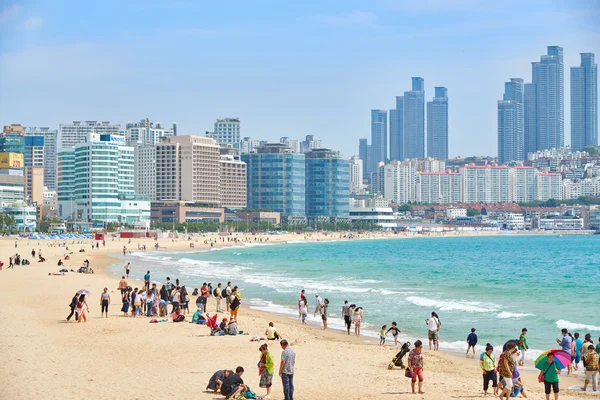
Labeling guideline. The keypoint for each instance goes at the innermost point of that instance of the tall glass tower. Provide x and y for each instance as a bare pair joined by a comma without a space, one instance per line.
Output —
510,122
584,103
378,137
548,81
437,125
414,120
397,130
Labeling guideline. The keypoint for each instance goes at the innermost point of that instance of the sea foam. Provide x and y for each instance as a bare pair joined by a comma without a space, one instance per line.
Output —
561,323
449,305
506,314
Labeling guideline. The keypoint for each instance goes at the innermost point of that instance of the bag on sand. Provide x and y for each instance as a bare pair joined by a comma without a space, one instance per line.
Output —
408,373
249,394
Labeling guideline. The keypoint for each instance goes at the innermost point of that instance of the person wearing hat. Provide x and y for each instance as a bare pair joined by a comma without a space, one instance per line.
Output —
232,328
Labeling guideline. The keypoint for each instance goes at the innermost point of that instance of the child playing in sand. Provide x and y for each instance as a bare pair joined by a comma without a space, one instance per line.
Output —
382,335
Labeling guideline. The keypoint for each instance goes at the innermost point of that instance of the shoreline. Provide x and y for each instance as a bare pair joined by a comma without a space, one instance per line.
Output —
105,351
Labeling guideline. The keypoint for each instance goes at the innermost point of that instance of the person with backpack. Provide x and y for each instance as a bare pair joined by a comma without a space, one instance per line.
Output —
471,342
73,307
218,298
487,363
235,303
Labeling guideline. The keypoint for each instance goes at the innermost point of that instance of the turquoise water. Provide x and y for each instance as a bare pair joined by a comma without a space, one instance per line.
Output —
497,285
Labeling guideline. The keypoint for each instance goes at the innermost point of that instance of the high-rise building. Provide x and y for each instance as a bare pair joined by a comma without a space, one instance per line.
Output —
378,137
309,143
79,131
145,171
438,187
414,120
227,132
146,133
33,156
188,169
363,148
510,123
327,186
486,183
96,182
549,186
232,181
276,181
397,130
548,81
50,151
356,174
248,145
12,142
523,184
293,144
400,181
437,125
529,119
584,103
12,183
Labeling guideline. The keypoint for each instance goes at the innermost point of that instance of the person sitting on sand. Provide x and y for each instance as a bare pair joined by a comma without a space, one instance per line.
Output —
60,263
518,388
233,384
177,315
232,328
272,333
199,318
223,326
216,380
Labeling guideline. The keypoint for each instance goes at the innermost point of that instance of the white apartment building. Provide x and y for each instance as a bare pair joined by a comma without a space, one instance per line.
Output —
188,169
248,145
80,131
293,144
512,221
146,133
356,175
549,186
233,182
584,187
227,132
523,184
145,171
432,165
438,187
399,181
310,143
486,183
453,213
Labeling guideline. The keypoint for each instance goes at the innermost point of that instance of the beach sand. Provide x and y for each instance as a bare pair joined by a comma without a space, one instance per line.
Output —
43,356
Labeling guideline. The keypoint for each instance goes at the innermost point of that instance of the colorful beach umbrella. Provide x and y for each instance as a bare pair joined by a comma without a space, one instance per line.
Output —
561,358
84,291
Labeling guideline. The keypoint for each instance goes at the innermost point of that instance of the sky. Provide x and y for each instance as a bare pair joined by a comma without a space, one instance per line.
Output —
284,68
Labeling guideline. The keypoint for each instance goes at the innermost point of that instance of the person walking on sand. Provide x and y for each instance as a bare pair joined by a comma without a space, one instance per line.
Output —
487,363
302,304
358,318
73,307
81,311
104,303
235,304
266,368
127,269
591,368
507,368
286,370
471,342
228,296
523,346
123,285
395,331
126,300
433,327
382,335
549,373
565,344
415,365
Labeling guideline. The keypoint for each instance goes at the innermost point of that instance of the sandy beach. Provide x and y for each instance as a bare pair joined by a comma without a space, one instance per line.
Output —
43,356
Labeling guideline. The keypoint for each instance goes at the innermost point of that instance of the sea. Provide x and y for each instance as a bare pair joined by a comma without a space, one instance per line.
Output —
495,284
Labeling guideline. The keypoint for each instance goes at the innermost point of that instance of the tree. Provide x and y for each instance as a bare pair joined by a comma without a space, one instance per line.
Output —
471,212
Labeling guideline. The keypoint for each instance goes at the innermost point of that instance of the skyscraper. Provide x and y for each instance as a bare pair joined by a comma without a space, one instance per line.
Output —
437,125
584,103
50,143
548,80
327,186
362,154
510,122
378,137
397,130
356,174
414,120
529,119
33,156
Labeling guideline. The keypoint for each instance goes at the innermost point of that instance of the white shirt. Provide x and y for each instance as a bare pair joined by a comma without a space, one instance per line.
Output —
433,323
319,301
176,297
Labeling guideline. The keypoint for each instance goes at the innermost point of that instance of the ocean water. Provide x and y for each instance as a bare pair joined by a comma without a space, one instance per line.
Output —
496,284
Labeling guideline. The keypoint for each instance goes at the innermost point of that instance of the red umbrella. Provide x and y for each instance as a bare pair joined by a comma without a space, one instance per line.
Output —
212,322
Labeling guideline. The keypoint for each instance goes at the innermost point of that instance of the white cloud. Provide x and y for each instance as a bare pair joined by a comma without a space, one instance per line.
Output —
32,23
9,13
353,18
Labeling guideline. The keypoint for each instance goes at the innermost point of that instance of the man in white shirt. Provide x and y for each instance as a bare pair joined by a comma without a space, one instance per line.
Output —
320,304
433,327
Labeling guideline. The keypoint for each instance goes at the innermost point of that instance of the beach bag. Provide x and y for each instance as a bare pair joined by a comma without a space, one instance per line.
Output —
408,373
249,394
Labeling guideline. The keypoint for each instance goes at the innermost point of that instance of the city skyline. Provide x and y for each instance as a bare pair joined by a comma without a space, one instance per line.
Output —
330,59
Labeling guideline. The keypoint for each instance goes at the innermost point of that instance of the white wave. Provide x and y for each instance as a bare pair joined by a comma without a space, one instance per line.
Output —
506,314
561,323
449,305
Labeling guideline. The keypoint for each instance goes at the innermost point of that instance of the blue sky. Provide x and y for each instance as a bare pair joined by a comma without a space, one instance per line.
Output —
284,68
